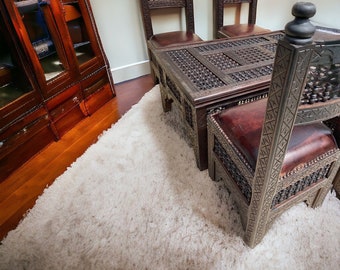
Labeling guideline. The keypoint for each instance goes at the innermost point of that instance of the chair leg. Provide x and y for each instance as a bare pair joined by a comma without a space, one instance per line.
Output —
154,77
211,170
166,101
320,196
336,184
249,238
152,71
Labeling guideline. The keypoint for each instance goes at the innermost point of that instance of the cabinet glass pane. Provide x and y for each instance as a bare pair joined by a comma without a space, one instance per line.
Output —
78,33
13,80
40,36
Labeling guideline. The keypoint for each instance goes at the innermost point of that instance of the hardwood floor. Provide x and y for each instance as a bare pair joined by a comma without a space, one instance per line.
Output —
20,190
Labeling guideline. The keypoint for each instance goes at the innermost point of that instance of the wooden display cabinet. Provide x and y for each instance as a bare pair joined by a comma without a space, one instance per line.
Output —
53,73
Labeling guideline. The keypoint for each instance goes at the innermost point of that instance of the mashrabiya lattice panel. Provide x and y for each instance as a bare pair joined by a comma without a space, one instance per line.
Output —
211,67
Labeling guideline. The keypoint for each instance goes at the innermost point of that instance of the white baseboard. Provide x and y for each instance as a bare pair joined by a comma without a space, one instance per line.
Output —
129,72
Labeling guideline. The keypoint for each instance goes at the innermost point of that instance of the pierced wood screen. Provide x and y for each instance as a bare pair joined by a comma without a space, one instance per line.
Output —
217,66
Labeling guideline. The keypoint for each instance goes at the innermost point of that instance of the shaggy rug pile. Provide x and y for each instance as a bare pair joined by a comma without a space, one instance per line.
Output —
136,200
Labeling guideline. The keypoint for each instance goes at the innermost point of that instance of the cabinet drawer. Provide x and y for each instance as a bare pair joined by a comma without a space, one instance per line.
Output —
69,119
67,106
22,134
98,99
67,94
94,82
68,114
31,143
24,122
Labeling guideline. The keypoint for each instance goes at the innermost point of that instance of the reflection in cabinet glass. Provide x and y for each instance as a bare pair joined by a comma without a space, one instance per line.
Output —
33,16
13,80
78,33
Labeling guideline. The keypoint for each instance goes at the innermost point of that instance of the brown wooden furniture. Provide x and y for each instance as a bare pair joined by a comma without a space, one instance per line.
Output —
335,125
238,29
162,40
330,35
326,34
276,152
53,73
196,79
336,184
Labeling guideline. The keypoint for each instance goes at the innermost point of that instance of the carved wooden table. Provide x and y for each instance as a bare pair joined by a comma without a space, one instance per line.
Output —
201,77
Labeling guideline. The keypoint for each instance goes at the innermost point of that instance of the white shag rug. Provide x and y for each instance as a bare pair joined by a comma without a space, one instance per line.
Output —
135,200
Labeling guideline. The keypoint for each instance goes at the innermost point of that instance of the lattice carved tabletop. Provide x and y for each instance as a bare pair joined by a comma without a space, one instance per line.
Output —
213,69
202,77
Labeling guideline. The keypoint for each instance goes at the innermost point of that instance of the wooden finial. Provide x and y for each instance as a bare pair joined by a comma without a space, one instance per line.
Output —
300,31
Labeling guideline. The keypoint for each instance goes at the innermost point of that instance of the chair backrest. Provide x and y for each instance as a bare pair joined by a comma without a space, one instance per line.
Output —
321,94
219,6
304,88
266,160
148,5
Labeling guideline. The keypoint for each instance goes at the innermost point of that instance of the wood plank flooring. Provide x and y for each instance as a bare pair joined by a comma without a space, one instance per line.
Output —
20,190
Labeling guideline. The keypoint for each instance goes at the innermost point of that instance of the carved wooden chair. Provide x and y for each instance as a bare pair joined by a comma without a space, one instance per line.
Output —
336,184
335,125
161,40
238,29
276,152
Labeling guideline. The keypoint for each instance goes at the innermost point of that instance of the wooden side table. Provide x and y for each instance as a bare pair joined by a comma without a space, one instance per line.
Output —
201,77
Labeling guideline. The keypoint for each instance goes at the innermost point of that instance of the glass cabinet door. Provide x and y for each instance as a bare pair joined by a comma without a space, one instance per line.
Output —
14,82
60,38
82,31
78,32
38,22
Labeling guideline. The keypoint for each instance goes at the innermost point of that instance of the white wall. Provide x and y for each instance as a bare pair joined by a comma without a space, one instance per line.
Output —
120,25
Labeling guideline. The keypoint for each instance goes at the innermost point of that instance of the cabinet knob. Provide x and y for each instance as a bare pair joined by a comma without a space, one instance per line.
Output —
75,100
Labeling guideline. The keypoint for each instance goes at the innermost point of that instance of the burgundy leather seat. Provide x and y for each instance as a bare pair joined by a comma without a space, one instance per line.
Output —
243,125
237,29
174,38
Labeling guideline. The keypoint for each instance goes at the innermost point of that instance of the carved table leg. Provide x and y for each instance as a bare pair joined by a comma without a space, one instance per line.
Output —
166,100
200,138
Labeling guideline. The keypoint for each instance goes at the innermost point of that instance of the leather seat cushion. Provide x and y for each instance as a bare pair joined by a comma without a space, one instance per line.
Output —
174,38
243,125
238,30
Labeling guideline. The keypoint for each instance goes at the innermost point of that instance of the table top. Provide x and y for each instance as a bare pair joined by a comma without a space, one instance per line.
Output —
212,70
216,69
